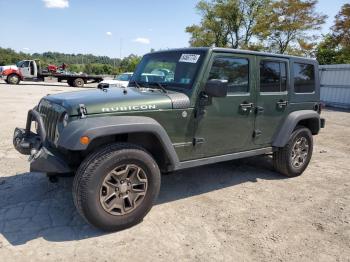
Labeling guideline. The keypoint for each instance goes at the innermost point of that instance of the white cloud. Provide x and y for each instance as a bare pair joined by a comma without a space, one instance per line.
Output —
26,48
109,33
142,40
56,3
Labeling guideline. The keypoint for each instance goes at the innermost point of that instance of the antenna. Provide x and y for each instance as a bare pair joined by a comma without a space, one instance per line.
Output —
121,48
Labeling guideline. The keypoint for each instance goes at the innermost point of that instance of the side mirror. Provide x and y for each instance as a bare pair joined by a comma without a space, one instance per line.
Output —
216,88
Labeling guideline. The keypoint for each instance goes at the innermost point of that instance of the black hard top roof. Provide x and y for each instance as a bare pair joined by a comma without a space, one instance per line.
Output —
235,51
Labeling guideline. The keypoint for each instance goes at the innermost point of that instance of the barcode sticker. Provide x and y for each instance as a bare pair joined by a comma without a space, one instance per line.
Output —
189,58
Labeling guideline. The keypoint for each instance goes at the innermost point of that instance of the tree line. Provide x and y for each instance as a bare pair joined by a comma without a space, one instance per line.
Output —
277,26
86,63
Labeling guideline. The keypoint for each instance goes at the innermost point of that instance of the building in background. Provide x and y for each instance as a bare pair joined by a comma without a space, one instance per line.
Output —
335,85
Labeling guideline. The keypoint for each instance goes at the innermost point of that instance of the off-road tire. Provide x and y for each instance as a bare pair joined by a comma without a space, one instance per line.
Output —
13,79
79,82
91,174
282,158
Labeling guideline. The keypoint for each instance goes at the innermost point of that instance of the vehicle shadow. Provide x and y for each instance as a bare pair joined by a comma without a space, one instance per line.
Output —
31,207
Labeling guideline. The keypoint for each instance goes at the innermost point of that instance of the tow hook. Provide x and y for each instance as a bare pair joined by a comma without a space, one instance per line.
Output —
34,154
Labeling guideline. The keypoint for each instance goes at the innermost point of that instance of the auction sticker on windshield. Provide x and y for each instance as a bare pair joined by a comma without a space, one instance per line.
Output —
189,58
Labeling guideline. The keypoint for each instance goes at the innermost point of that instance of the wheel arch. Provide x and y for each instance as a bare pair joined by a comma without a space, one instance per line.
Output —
141,131
308,118
11,71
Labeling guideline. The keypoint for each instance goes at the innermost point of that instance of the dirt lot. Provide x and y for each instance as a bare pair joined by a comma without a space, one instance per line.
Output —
235,211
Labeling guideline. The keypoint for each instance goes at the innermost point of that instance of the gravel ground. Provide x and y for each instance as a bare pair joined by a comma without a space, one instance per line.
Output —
235,211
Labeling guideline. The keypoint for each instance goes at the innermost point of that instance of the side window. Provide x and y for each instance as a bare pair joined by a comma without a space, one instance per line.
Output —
234,70
273,76
25,64
304,78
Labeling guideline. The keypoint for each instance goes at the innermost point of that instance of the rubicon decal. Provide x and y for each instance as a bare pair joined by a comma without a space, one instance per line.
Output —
129,108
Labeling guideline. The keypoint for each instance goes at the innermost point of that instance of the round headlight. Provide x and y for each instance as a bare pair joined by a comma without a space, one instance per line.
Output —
65,119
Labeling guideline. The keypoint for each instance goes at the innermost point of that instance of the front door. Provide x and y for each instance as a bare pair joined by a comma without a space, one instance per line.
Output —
272,97
227,124
25,69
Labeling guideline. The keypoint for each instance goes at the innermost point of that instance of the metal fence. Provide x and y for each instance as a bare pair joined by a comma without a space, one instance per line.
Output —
335,85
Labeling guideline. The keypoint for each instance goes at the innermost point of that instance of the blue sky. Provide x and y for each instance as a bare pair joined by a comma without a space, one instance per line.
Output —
101,27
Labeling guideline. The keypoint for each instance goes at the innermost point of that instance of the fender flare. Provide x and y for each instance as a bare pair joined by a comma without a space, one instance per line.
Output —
282,136
11,71
97,127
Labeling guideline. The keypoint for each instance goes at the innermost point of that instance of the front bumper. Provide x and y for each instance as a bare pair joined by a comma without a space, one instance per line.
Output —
42,157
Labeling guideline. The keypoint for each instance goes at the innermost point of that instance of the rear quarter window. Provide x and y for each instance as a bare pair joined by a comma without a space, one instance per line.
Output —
304,78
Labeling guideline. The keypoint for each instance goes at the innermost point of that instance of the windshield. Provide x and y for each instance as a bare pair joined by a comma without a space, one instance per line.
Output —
172,68
20,63
123,77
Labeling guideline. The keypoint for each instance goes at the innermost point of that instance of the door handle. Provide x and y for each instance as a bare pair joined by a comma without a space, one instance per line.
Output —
245,106
282,103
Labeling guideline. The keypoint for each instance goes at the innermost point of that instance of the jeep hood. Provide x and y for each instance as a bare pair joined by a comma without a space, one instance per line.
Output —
113,100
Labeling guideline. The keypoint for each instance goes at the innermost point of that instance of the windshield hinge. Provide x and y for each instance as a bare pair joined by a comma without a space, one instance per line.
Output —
82,111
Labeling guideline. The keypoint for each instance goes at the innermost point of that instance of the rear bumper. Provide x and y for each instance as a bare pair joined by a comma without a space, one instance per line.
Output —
42,157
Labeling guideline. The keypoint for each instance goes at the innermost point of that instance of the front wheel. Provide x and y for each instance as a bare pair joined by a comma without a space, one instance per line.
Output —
293,158
13,79
116,186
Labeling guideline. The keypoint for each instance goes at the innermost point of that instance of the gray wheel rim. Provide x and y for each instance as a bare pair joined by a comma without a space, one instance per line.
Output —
300,152
13,79
123,189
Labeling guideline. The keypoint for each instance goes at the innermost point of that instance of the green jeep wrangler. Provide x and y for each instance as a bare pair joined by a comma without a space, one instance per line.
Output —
183,108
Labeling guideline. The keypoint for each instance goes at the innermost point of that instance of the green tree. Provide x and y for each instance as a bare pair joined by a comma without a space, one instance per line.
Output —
341,27
288,23
10,57
227,23
335,47
129,63
87,63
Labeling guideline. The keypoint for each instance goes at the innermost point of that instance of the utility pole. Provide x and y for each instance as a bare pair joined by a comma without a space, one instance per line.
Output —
121,48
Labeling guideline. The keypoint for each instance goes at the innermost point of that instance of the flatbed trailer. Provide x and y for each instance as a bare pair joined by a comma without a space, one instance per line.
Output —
30,70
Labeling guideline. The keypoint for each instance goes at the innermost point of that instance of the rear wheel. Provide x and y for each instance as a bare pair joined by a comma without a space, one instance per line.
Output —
293,158
13,79
115,187
79,82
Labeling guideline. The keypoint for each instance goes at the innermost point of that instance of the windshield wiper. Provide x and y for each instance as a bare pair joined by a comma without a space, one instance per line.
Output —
159,85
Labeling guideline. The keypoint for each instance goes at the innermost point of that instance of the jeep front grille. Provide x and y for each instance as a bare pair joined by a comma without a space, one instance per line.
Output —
50,116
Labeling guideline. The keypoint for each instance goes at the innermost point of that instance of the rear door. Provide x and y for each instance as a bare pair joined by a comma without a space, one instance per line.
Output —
272,97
